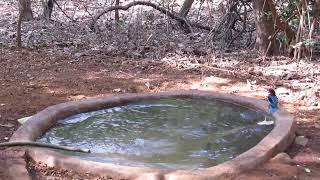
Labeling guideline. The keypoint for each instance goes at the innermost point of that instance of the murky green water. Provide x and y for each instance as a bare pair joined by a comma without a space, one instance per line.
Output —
166,133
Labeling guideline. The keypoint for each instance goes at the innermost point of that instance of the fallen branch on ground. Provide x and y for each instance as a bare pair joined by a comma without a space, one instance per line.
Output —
187,25
36,144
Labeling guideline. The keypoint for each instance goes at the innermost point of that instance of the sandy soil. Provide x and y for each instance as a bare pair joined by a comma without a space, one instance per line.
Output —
31,80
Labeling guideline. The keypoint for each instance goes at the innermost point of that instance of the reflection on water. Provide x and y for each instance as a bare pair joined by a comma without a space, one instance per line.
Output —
166,133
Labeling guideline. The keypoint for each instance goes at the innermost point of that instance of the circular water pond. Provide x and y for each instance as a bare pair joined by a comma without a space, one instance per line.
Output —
174,133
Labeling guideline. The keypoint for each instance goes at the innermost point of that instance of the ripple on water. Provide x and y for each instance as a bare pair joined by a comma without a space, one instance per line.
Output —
166,133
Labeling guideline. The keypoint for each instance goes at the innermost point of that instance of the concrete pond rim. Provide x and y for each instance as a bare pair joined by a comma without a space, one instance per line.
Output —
275,142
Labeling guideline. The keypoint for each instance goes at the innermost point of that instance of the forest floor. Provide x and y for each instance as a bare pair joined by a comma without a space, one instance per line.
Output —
32,80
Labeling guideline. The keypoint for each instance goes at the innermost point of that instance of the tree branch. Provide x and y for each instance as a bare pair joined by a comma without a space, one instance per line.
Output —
187,25
282,25
63,11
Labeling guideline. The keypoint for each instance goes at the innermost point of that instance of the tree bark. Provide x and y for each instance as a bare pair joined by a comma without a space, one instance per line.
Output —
25,10
281,24
19,42
315,18
47,8
116,12
301,49
25,14
187,4
264,27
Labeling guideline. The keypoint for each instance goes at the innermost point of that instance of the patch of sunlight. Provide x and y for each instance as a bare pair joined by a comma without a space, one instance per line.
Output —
303,120
215,83
213,79
278,69
58,90
92,75
142,80
208,83
309,108
229,86
76,97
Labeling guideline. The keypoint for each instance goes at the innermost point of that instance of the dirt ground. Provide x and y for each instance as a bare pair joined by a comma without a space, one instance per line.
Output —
32,80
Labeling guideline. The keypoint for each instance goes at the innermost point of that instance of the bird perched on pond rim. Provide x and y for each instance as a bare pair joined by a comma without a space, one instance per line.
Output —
273,101
273,107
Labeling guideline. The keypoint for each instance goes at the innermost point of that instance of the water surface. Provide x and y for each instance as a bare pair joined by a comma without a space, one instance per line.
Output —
165,133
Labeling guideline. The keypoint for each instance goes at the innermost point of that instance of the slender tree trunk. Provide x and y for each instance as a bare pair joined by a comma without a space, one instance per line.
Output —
19,43
300,50
25,14
281,24
25,10
315,18
187,4
47,8
116,12
264,27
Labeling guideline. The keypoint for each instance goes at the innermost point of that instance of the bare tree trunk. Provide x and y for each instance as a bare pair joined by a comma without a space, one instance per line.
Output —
265,27
187,4
298,52
116,12
281,24
25,13
315,19
47,8
25,10
19,43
